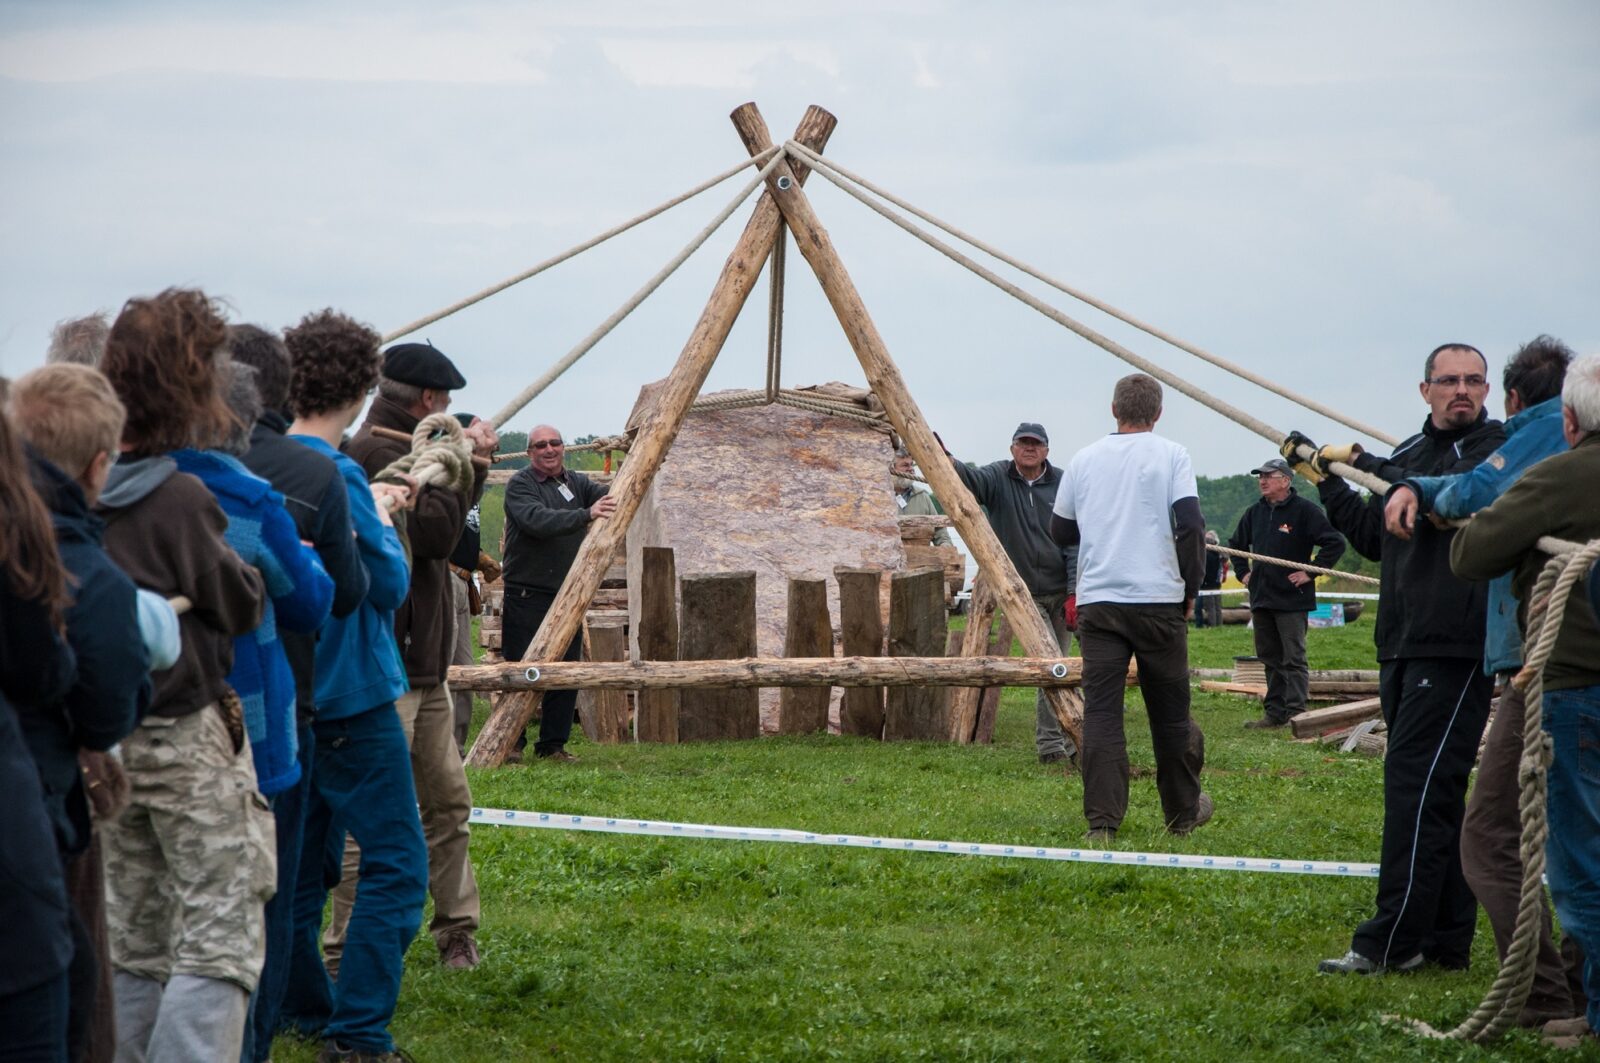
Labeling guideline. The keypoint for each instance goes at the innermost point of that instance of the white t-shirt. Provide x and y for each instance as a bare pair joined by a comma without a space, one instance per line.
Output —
1120,490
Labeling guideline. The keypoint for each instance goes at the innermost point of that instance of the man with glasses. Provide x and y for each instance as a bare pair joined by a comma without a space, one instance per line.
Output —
1435,695
1018,495
1283,525
548,510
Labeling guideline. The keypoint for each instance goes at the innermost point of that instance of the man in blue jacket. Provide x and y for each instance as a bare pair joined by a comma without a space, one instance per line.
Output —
1491,833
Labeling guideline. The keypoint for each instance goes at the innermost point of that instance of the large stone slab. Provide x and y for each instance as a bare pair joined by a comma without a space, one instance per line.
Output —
788,493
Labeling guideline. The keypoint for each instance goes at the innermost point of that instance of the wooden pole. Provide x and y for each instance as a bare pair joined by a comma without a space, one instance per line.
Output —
656,718
811,237
861,629
752,672
608,642
739,275
809,633
989,707
718,624
917,628
964,701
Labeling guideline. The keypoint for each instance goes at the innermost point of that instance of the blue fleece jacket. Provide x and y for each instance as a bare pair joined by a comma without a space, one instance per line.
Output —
299,595
358,663
1531,436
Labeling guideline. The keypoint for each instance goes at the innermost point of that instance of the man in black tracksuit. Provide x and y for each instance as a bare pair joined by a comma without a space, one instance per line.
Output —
548,510
1282,524
1435,694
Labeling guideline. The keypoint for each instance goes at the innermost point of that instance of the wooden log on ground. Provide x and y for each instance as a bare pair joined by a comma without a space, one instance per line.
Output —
989,706
964,701
656,719
739,276
883,376
718,623
1317,688
1313,722
749,673
861,628
809,633
917,628
608,643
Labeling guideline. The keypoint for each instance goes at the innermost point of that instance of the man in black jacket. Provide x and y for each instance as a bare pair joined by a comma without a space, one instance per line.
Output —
1284,525
1435,696
548,510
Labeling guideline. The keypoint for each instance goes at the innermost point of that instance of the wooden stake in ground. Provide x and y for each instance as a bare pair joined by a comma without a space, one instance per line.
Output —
811,237
809,633
989,707
718,624
964,701
739,276
656,715
861,632
608,641
917,628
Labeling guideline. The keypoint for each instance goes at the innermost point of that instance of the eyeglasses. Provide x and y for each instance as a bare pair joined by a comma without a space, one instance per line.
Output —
544,444
1473,381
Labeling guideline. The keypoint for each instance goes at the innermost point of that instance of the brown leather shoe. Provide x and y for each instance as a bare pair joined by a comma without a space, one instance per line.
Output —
560,756
458,951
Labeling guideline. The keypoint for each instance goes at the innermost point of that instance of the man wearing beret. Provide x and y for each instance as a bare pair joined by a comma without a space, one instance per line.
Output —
416,381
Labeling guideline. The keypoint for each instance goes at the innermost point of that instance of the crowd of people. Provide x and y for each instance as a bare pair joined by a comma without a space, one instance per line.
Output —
227,614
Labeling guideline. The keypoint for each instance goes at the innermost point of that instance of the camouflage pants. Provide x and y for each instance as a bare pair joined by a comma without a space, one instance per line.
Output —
191,862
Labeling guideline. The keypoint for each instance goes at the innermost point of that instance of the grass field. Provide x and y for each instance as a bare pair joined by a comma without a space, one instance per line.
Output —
599,947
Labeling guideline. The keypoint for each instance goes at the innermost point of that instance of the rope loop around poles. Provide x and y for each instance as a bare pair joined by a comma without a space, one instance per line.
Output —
594,241
1506,996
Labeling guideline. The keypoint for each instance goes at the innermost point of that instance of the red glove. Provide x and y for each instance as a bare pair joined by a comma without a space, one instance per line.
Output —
1071,612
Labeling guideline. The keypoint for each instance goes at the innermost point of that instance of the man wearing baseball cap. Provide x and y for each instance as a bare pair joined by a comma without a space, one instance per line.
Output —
1284,525
1018,495
417,380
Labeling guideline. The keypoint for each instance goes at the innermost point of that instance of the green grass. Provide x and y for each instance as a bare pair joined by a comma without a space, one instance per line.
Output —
599,947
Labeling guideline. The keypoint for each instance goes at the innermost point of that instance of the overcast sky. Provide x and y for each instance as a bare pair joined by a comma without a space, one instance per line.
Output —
1320,192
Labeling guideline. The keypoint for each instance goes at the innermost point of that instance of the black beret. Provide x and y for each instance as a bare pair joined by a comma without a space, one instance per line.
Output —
423,365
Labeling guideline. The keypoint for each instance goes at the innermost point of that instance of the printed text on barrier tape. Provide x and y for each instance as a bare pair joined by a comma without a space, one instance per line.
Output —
502,817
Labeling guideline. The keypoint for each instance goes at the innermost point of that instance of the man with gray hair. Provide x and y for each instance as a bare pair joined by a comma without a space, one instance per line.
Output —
1557,497
81,340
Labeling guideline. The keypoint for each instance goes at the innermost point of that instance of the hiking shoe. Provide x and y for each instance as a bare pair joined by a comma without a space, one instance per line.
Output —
514,757
1578,1025
334,1052
1353,962
458,951
1266,723
560,756
1054,758
1101,836
1202,815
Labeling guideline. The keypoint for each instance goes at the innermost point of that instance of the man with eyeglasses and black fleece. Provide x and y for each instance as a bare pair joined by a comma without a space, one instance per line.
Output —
548,510
1435,695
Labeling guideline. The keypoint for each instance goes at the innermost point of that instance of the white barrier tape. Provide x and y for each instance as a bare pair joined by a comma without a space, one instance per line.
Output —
1336,595
502,817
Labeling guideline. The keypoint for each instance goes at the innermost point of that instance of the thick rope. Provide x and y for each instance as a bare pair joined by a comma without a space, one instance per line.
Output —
532,391
1356,576
1504,1001
440,454
1082,296
595,241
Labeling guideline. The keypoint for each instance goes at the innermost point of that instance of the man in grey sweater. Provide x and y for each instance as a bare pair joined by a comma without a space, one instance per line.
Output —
1018,496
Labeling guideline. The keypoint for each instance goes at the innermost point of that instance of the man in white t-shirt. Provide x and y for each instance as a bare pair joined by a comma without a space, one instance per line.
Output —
1130,504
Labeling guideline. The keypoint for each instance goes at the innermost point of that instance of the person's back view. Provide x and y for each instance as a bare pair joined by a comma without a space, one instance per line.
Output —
1119,501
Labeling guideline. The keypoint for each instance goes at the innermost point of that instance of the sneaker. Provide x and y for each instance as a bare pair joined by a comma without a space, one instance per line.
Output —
459,951
1353,962
1101,835
334,1052
1576,1026
1202,815
1266,723
1575,1033
560,756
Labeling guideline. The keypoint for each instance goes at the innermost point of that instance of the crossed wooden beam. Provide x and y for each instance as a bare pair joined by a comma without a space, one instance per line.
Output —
783,204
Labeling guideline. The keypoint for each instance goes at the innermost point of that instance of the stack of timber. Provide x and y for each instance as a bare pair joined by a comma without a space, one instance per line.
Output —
1326,684
916,537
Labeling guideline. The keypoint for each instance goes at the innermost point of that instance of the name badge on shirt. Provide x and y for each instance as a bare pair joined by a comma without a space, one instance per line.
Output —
566,492
900,500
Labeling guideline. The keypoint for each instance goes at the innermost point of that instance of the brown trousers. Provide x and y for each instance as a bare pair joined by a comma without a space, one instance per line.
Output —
1158,637
1491,860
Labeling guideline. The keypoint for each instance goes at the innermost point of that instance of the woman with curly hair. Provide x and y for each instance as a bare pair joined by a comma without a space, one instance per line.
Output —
361,768
36,667
190,863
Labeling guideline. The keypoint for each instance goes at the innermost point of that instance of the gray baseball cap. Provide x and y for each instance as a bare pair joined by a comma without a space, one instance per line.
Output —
1032,430
1272,465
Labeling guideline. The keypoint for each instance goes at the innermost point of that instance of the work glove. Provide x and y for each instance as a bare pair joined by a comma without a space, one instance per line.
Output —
1344,453
1070,612
1291,453
489,567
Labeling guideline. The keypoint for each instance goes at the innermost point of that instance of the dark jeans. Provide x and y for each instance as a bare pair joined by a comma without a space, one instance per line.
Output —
1491,856
1572,719
33,1023
289,813
361,784
1281,645
1435,708
1157,636
522,611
